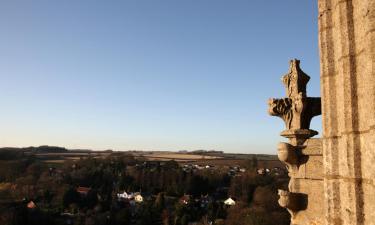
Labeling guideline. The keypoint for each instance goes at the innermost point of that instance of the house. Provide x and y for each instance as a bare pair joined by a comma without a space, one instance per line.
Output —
199,167
138,198
123,195
132,197
31,205
185,199
229,202
83,190
261,171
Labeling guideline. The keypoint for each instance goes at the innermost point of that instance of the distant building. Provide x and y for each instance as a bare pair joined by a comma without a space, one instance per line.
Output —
261,171
131,197
229,202
123,195
31,205
138,198
185,199
83,190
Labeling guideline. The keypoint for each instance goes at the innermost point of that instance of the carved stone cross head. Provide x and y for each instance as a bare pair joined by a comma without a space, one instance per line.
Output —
297,109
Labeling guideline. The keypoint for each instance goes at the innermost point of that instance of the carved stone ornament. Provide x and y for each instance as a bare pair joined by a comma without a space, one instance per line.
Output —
293,202
296,110
288,154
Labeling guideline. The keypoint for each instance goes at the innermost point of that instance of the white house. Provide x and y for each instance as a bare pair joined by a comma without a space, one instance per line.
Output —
229,202
138,198
261,171
123,195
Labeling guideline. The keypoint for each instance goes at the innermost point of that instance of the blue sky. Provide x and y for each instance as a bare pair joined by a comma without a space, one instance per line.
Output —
151,74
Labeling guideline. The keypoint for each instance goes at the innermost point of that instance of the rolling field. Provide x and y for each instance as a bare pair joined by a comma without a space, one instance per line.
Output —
177,156
181,158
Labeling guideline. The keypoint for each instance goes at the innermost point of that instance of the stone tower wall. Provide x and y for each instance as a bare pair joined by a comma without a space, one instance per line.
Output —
347,55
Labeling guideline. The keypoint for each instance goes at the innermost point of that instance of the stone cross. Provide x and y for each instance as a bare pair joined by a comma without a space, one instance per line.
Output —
296,109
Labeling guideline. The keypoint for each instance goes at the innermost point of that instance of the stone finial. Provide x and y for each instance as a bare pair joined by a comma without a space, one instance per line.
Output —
295,80
297,110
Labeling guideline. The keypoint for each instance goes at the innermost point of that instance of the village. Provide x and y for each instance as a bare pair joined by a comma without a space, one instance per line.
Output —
119,188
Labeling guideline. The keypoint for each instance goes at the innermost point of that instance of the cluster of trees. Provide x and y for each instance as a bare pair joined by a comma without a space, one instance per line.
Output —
25,178
258,201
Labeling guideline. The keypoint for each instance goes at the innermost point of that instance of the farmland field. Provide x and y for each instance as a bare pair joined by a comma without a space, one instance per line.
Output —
203,158
178,156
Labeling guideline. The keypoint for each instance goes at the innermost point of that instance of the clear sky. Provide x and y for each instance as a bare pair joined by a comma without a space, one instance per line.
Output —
151,74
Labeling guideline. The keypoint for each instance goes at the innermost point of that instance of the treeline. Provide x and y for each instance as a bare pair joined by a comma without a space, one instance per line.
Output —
9,153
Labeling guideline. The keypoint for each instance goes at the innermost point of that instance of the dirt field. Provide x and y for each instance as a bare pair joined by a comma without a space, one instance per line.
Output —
182,158
178,156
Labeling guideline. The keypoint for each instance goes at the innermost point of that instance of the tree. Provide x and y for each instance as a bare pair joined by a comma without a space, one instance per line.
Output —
252,163
160,201
197,185
266,198
185,219
70,196
123,217
172,164
91,199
